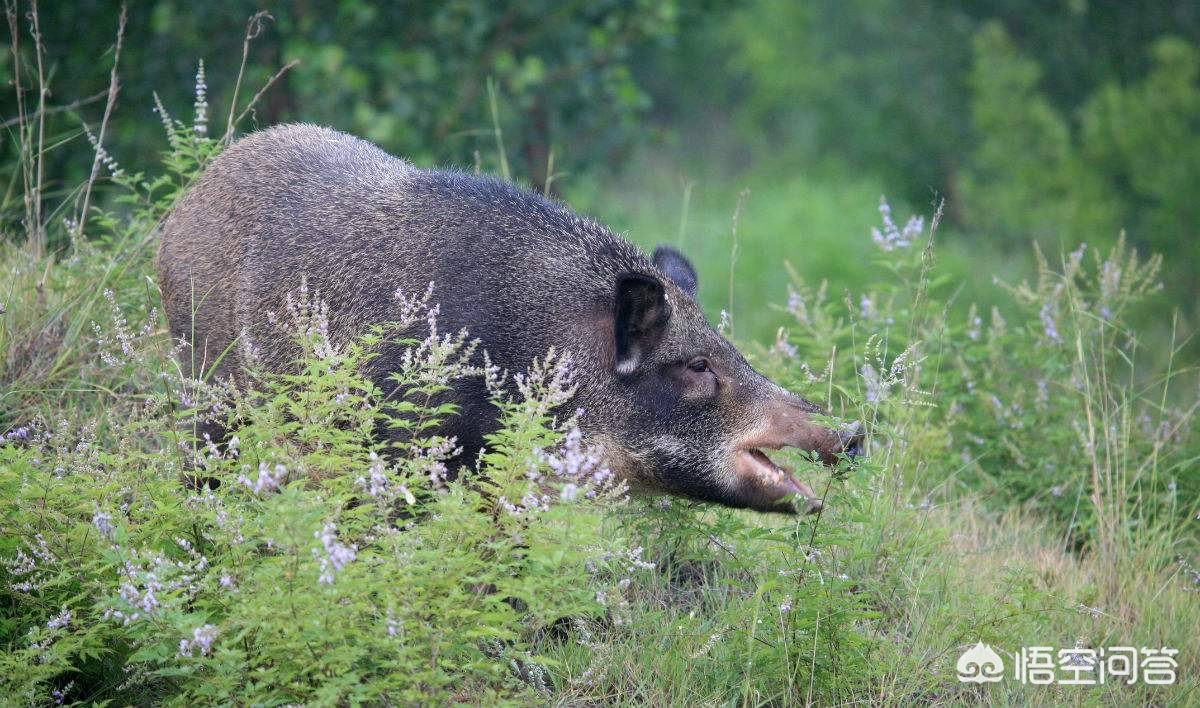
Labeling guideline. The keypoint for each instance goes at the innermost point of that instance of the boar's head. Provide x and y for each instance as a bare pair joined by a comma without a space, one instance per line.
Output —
683,411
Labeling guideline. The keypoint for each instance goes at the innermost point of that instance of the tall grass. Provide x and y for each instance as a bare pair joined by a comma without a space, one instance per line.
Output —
1027,484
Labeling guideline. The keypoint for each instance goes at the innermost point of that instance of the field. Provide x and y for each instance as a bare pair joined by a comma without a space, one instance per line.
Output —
1031,482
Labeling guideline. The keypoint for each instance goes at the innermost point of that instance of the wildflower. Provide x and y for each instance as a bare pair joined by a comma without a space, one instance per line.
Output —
431,460
104,524
493,377
708,645
149,580
337,555
411,309
1110,280
309,318
549,382
26,564
782,346
579,465
532,502
726,322
123,337
866,309
797,306
200,124
105,158
202,641
61,620
142,598
438,359
393,625
786,606
1093,611
20,434
975,329
892,237
1048,324
1082,657
268,479
1076,257
999,405
60,694
376,482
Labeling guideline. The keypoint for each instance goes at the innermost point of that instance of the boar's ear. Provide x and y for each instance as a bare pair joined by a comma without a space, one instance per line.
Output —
677,267
640,318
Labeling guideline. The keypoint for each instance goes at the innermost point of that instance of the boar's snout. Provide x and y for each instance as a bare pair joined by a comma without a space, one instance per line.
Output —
787,421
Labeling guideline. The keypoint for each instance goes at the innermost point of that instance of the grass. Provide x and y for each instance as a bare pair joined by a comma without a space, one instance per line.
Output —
1031,481
818,223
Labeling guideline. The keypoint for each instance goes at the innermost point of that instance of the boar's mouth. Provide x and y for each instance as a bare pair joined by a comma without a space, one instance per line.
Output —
766,486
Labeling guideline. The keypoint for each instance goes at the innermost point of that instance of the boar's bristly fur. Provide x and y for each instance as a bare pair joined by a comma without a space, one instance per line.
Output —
673,404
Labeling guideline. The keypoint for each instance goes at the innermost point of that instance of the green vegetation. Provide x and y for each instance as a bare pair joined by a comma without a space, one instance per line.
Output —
1032,476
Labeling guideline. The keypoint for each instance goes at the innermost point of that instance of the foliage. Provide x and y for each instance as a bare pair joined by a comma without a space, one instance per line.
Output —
308,560
279,580
301,558
1026,178
1044,410
410,76
1061,122
1143,134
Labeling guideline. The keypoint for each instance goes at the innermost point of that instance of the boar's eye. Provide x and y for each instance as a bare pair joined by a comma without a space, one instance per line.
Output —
699,365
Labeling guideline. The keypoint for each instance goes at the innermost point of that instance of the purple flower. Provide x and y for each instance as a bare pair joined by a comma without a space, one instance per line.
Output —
1048,323
268,479
893,237
376,482
104,524
337,555
62,619
20,434
202,641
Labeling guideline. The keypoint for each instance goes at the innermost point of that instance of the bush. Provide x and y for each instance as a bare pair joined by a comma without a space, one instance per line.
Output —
303,560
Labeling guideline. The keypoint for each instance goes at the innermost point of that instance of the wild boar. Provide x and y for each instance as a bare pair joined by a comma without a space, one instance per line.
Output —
673,405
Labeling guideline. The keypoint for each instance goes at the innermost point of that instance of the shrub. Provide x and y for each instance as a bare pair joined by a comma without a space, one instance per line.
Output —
306,559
